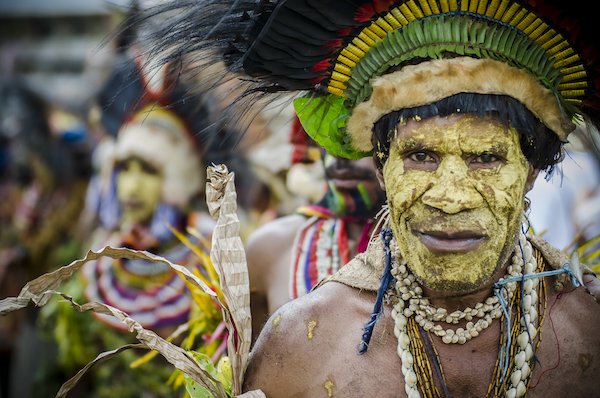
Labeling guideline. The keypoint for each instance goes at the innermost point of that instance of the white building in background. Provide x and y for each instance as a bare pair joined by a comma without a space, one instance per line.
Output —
55,46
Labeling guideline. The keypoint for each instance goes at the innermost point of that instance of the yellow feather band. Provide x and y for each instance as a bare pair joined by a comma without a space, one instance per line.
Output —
507,11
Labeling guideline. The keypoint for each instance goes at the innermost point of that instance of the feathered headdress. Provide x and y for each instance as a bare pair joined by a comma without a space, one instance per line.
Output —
351,62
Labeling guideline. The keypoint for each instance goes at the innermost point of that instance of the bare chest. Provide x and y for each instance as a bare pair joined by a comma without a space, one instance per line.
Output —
568,357
467,369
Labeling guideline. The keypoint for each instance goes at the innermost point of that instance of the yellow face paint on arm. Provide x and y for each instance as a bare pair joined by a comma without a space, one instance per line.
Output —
455,187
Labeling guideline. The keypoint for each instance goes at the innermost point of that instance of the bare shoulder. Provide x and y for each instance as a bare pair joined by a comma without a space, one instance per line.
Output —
570,345
309,347
275,234
277,229
269,246
268,255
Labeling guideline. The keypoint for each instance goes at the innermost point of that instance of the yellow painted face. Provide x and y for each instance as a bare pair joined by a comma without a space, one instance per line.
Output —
455,188
138,190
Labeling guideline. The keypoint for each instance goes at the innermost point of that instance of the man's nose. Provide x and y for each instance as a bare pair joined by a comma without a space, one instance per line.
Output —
452,192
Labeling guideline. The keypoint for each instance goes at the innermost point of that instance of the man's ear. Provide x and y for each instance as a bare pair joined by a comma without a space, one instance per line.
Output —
378,171
533,173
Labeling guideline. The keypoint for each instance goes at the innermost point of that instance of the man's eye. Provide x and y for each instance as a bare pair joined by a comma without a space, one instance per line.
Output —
485,158
421,157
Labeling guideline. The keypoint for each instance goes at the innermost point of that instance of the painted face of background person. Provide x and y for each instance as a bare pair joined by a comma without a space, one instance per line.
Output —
455,187
353,186
138,190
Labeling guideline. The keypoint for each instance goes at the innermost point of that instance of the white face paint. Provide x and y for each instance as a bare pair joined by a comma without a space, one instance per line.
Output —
455,187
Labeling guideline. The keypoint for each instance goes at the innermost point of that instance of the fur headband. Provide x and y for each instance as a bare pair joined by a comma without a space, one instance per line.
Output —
434,80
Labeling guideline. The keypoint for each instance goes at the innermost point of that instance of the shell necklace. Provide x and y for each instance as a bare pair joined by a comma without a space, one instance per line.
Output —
413,311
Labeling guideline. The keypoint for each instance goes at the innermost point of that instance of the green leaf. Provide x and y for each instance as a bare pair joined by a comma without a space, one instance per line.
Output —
324,119
529,54
194,389
376,55
465,31
523,48
369,65
418,33
548,67
429,31
489,37
399,36
447,25
393,38
440,26
473,32
535,60
496,41
431,52
410,36
553,76
482,33
422,52
509,42
460,49
387,48
502,43
358,75
456,30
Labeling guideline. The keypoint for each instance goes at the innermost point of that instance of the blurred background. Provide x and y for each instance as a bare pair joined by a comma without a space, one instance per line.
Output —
77,165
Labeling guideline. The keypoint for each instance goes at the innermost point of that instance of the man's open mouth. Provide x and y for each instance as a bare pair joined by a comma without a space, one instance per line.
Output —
450,241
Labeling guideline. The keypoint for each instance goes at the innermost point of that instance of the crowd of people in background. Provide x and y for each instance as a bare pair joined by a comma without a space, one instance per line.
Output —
132,170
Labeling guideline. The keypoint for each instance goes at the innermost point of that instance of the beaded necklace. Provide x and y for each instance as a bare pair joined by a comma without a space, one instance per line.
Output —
414,318
320,248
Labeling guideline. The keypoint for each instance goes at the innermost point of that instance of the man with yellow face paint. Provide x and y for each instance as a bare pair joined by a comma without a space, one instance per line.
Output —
455,191
461,104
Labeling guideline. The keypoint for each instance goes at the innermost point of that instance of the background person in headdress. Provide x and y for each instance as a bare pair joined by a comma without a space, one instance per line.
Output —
289,256
151,178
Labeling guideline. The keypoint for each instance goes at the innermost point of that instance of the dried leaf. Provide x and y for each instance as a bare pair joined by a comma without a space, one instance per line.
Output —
66,387
229,259
40,289
175,355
